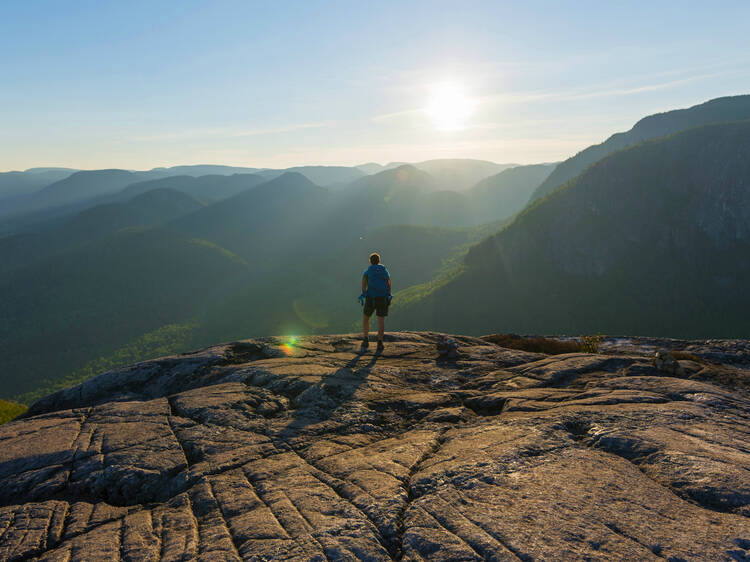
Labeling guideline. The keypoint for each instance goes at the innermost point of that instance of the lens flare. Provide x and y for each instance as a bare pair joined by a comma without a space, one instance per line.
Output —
287,347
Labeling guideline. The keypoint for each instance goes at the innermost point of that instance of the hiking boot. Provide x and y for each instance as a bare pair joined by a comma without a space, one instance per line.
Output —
380,345
365,345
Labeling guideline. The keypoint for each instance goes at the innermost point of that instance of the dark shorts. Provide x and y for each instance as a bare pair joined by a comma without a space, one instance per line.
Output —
380,304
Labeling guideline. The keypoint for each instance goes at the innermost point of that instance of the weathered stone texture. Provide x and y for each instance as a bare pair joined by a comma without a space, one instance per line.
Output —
259,450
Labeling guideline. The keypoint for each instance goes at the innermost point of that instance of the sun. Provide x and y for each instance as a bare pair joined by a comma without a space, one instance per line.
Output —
449,107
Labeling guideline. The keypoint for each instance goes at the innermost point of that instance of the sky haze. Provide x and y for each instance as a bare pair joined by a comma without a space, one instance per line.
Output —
142,84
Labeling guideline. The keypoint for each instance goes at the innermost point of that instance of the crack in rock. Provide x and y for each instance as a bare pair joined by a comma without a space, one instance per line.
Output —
255,450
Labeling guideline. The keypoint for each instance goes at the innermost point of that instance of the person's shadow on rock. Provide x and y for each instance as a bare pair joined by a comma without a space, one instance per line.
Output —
318,403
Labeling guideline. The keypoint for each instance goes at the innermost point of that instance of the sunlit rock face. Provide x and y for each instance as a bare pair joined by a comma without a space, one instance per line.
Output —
268,449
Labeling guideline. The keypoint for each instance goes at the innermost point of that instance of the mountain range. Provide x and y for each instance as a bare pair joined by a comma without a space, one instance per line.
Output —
236,246
645,233
653,239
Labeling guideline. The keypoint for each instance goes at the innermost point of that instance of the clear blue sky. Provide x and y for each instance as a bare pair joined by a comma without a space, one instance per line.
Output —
137,84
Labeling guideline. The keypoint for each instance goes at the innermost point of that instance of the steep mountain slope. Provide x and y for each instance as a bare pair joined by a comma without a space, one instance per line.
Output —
505,194
719,110
151,208
59,313
650,240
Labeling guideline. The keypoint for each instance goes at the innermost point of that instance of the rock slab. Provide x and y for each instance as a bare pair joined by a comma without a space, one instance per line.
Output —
266,450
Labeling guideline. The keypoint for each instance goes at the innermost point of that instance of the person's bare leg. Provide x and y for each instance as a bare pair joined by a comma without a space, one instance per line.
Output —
381,327
365,326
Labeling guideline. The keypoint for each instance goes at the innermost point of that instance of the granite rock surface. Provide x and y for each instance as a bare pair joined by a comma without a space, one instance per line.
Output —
266,449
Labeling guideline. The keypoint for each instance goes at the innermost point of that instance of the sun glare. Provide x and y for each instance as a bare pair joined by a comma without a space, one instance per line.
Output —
449,107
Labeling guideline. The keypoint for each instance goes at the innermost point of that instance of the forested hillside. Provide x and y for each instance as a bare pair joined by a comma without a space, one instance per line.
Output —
654,239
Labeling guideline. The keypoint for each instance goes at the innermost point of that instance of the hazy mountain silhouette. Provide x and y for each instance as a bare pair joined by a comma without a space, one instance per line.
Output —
269,223
152,208
208,188
449,174
409,195
205,170
395,180
395,196
654,239
72,192
505,194
734,108
75,188
320,175
19,183
371,168
459,174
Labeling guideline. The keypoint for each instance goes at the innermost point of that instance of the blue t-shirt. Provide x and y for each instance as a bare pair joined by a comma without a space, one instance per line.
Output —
377,281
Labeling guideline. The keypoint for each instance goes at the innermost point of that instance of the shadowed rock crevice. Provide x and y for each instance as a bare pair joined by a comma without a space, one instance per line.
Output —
263,449
172,414
653,549
412,494
243,352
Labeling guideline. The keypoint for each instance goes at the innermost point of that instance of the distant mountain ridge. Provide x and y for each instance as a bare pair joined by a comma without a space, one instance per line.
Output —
734,108
449,174
208,188
15,184
37,195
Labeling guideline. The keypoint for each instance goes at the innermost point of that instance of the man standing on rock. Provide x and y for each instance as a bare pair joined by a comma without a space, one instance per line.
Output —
376,296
